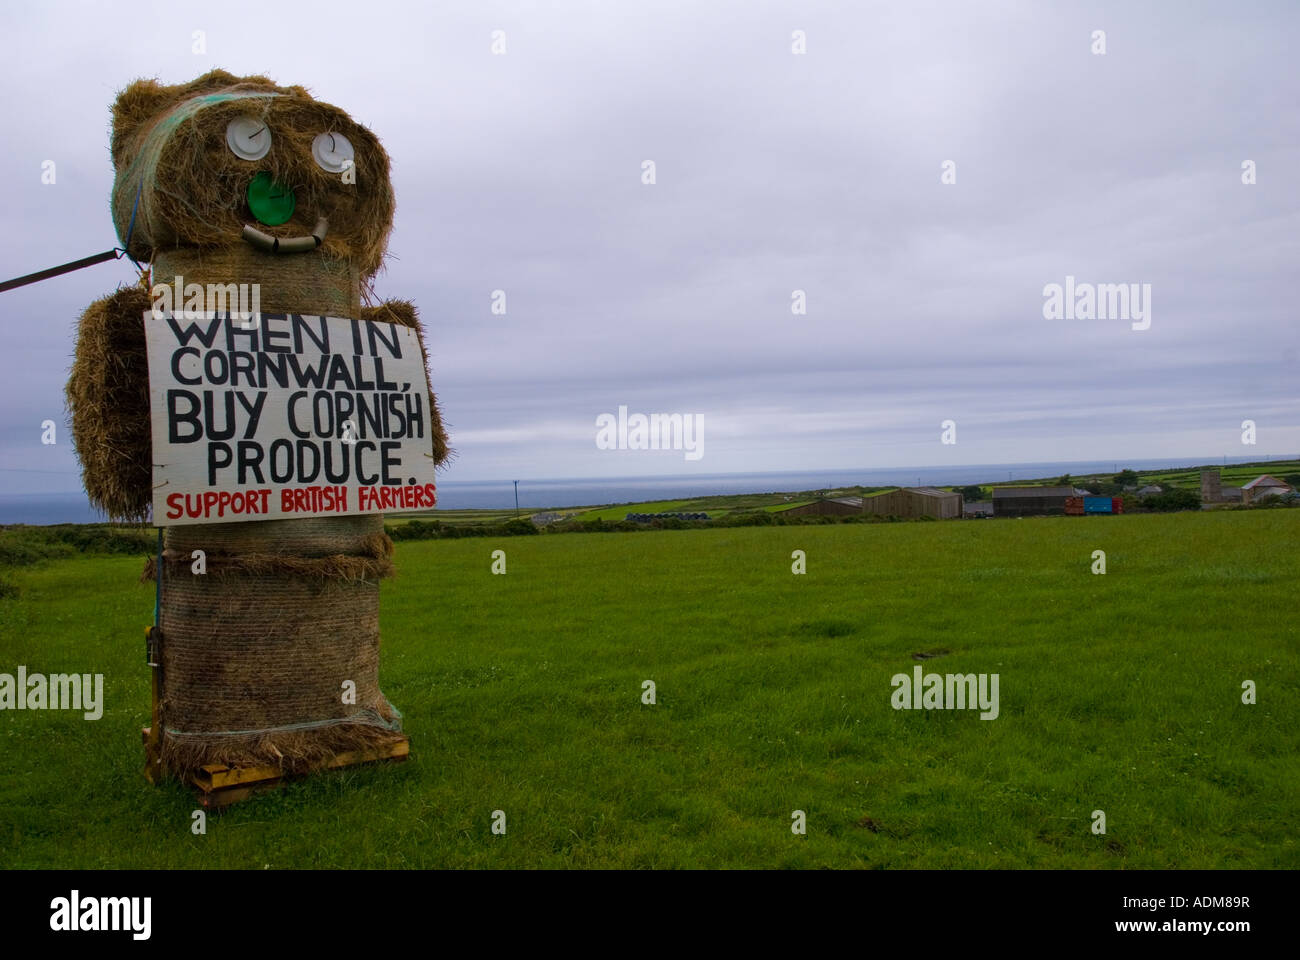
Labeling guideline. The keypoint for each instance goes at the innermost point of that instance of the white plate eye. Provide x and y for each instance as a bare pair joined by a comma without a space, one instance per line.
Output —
248,138
332,152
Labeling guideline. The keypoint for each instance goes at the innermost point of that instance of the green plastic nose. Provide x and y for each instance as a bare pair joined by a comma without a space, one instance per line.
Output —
272,203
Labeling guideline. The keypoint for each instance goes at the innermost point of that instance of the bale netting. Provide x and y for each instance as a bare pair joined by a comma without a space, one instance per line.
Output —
257,652
108,403
317,284
359,536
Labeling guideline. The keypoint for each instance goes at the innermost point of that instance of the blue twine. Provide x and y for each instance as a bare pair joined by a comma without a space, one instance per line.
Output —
130,229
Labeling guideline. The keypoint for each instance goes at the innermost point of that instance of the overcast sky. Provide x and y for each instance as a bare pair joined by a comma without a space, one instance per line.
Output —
775,172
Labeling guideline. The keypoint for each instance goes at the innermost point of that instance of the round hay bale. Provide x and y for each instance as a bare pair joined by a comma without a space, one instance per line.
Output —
255,656
170,151
317,285
107,397
360,536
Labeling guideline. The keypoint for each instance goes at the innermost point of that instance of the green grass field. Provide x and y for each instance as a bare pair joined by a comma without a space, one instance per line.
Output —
522,693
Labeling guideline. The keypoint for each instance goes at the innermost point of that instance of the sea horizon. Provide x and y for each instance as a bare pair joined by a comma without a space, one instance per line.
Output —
567,492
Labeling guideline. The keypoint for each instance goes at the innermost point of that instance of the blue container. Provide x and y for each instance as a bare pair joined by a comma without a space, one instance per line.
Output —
1096,505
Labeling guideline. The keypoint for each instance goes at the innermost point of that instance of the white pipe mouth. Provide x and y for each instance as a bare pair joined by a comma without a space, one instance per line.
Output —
269,244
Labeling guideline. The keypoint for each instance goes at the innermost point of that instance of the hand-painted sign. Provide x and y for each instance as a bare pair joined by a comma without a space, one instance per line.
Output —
286,416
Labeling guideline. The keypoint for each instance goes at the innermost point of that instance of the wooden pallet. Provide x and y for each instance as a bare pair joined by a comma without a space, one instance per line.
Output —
217,785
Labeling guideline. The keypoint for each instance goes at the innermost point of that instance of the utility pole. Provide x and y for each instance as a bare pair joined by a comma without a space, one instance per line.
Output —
516,498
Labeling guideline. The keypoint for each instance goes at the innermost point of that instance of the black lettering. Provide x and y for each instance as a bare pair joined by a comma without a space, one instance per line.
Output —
339,371
343,404
369,416
184,337
236,329
176,416
279,447
307,375
361,477
323,400
305,447
379,376
361,382
301,326
293,417
176,365
330,475
215,464
250,458
270,335
376,333
414,417
396,419
244,363
217,371
388,462
228,431
254,411
274,365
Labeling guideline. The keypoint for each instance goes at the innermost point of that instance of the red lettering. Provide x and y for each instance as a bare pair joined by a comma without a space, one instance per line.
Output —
174,509
431,494
286,501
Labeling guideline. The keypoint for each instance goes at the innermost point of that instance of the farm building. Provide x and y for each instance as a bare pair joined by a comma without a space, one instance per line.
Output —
1261,487
841,506
915,502
1083,506
977,508
1030,501
1213,492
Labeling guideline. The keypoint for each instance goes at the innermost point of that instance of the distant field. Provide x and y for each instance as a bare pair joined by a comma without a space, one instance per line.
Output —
654,506
723,505
522,693
1231,475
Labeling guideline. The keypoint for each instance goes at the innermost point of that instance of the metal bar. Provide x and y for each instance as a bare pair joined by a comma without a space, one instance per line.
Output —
57,271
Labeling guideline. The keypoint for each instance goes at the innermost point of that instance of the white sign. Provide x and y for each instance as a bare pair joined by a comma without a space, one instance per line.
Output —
288,416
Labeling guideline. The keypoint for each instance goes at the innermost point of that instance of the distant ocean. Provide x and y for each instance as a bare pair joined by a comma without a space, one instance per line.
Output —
40,508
